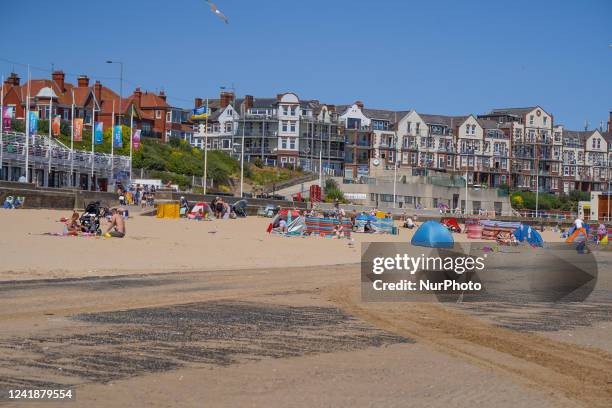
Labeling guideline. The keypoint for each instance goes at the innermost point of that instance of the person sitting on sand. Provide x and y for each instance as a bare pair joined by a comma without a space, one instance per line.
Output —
409,223
602,231
339,230
282,224
116,227
367,228
72,225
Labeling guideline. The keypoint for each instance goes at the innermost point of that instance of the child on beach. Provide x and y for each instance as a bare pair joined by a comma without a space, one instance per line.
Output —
72,226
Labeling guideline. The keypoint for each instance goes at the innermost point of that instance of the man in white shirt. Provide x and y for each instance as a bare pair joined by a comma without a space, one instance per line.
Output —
579,224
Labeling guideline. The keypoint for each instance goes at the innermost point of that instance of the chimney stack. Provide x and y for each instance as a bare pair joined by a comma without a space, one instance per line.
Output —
162,95
226,98
248,102
13,79
279,97
58,77
98,92
137,97
198,102
359,104
83,81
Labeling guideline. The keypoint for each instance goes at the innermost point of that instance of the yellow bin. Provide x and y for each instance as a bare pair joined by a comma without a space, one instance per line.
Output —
169,210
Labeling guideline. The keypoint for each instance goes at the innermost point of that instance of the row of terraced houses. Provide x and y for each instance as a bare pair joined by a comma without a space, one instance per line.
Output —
504,146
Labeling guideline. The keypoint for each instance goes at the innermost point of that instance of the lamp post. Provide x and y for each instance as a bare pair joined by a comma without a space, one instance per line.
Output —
242,153
120,86
395,160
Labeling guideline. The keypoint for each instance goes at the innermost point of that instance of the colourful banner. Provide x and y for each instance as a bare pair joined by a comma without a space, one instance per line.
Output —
33,122
117,136
99,133
136,139
78,129
7,117
199,113
56,125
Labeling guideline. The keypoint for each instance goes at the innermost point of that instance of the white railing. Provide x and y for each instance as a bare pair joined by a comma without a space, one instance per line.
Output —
42,150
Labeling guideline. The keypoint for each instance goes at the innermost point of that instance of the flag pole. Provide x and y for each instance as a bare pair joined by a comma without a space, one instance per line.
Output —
93,142
50,118
2,128
131,141
113,148
27,146
205,147
72,143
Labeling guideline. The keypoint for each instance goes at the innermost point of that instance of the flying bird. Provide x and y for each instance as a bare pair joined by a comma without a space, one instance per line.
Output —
217,12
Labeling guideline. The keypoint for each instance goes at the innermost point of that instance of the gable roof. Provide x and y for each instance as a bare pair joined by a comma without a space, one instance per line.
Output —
445,120
513,111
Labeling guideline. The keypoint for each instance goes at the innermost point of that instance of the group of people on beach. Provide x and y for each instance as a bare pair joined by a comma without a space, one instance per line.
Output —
143,195
115,224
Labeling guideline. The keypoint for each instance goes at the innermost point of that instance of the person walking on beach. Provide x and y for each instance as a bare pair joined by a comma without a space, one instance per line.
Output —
579,229
116,227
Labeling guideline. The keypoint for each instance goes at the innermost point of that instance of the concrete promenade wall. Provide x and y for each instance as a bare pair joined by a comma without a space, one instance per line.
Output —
54,198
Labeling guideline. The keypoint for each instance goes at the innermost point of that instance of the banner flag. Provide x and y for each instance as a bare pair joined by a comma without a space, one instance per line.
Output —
33,122
136,139
117,136
78,129
199,113
7,116
99,133
56,125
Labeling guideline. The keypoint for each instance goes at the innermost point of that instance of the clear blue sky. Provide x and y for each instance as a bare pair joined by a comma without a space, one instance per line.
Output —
447,57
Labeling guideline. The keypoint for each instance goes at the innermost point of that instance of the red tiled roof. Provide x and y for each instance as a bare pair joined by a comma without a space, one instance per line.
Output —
151,100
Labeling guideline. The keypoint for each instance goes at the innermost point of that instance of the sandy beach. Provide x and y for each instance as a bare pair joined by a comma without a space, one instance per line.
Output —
166,245
188,314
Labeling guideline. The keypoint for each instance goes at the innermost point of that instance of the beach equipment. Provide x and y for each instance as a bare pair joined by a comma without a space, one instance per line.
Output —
491,228
525,233
474,231
269,210
452,224
380,225
168,210
434,235
198,208
90,220
239,207
325,226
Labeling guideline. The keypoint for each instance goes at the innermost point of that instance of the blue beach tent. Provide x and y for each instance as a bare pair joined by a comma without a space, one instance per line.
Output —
434,235
526,233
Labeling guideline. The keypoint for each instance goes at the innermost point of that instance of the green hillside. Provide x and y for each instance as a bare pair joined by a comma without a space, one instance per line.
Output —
176,161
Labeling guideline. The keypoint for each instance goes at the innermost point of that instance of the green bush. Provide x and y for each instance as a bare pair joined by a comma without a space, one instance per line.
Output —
333,192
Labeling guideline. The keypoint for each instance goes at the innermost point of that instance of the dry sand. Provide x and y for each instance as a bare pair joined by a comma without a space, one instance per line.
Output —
262,320
165,245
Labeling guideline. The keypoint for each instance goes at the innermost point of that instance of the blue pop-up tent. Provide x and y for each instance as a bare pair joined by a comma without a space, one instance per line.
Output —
434,235
526,233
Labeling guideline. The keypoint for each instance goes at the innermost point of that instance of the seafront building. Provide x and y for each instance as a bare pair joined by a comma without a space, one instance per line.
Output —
519,147
523,148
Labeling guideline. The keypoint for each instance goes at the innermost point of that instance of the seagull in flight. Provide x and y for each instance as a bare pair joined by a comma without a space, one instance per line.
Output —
217,12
